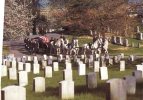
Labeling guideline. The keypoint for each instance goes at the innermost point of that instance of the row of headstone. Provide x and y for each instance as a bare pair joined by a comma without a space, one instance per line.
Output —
117,89
125,42
35,59
68,84
12,72
81,68
117,40
14,92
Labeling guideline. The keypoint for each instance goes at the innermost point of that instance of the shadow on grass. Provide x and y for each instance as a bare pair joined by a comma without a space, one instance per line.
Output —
52,91
99,90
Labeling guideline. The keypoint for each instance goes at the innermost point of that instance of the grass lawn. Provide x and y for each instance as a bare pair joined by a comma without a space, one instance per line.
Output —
116,49
81,91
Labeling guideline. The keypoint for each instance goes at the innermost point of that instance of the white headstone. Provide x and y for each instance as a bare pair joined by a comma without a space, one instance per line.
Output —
141,36
13,64
91,80
14,59
66,89
24,60
103,73
50,60
48,71
3,70
96,66
29,58
122,65
138,29
139,67
81,69
116,89
36,68
130,84
13,93
28,67
120,40
39,84
67,74
138,75
20,66
55,66
68,65
22,78
126,42
12,73
44,63
35,62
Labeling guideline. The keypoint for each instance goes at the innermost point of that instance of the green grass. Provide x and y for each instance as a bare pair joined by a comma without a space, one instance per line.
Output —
81,91
116,49
5,50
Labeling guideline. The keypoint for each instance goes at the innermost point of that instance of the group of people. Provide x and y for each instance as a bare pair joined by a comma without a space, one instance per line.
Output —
51,45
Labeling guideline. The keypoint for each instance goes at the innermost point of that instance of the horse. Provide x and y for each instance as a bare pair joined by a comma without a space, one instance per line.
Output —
105,46
74,50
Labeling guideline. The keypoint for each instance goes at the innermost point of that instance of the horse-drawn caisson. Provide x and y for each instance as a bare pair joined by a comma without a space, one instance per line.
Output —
43,44
37,44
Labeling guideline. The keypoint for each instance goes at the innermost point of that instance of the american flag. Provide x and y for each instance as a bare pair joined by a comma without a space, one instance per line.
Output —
44,39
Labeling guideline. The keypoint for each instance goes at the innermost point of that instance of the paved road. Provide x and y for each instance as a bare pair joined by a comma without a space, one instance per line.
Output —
17,47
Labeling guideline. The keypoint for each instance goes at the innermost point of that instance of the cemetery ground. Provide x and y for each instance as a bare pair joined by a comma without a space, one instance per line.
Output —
81,90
